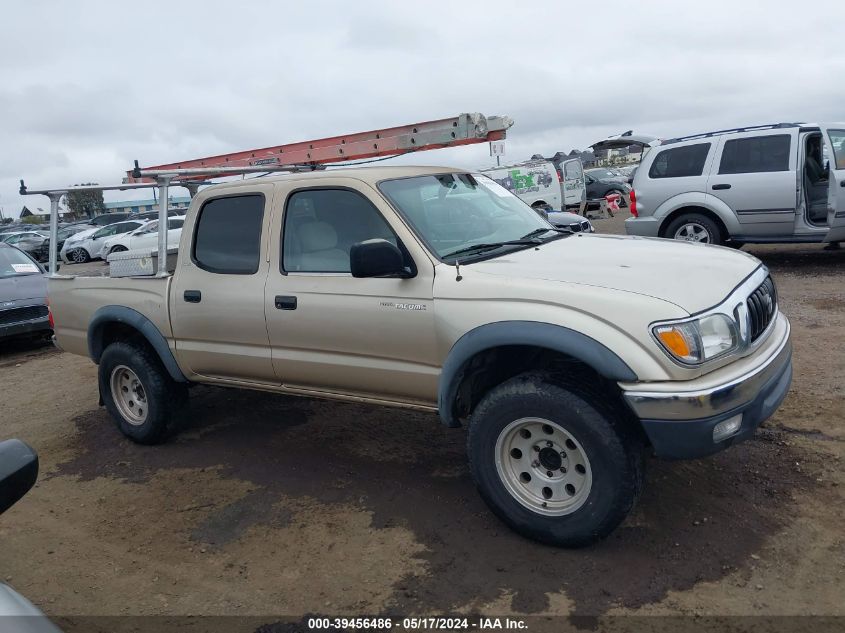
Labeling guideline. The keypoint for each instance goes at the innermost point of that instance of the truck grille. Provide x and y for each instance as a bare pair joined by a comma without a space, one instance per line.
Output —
762,307
17,315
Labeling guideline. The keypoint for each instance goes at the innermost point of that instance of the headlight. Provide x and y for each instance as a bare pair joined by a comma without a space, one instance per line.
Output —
700,340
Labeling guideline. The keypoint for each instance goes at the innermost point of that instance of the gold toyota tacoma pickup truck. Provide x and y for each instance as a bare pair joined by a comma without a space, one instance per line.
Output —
568,356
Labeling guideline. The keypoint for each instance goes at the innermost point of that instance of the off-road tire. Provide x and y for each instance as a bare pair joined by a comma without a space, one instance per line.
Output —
165,398
612,445
708,224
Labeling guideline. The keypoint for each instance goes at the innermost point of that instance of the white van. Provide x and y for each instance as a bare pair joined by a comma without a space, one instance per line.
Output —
539,185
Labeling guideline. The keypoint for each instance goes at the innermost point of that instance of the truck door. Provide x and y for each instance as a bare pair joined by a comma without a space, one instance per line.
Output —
755,175
834,138
217,297
573,185
331,332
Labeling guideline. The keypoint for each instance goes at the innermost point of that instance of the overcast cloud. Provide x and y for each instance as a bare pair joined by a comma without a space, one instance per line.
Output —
87,87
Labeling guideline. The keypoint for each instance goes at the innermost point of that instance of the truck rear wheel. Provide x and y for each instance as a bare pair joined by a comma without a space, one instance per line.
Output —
143,399
551,465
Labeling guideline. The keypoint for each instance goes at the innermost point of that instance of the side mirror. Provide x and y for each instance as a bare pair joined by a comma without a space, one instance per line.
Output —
376,258
18,472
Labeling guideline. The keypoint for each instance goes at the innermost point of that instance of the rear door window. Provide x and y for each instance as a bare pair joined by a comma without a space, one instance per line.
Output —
680,162
756,154
572,170
227,239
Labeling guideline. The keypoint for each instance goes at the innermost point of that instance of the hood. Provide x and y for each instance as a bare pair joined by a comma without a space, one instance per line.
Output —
690,275
78,237
19,287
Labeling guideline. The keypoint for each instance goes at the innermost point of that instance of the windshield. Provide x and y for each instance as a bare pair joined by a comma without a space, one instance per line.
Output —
13,262
452,212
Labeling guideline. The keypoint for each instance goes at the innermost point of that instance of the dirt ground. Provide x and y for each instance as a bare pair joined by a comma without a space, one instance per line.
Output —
270,505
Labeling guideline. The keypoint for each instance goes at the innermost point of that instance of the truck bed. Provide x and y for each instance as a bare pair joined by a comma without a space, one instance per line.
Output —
75,299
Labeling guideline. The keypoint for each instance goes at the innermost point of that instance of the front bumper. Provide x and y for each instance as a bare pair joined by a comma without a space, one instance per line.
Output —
22,328
680,424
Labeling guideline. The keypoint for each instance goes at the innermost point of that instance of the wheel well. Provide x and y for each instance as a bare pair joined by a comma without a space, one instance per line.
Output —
114,331
539,203
692,209
491,367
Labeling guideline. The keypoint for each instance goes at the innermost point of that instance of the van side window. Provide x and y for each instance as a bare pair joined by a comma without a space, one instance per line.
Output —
756,154
680,162
227,239
321,225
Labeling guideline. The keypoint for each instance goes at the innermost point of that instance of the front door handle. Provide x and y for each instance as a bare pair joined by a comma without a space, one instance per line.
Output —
285,303
193,296
721,186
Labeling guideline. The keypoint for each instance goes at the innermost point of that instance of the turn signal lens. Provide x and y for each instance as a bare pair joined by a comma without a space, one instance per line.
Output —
675,341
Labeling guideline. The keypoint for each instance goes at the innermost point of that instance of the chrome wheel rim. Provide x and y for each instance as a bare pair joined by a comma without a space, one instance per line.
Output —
693,232
78,257
129,395
543,466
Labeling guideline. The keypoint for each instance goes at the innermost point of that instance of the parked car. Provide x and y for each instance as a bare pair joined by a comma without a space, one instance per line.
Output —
605,173
62,234
88,245
23,295
572,221
69,254
565,354
18,473
145,236
768,183
29,241
598,189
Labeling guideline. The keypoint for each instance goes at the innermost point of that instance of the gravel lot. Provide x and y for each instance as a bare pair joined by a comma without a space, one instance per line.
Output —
276,505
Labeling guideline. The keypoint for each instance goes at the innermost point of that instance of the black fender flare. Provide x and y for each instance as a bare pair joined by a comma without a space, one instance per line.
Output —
136,320
553,337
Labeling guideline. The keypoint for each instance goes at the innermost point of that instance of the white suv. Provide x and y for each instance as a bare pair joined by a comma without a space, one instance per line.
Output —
771,183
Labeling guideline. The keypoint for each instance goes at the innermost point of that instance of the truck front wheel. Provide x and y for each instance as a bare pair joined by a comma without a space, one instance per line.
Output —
139,394
550,464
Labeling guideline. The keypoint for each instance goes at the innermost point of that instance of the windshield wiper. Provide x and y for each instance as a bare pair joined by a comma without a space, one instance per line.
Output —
541,230
491,245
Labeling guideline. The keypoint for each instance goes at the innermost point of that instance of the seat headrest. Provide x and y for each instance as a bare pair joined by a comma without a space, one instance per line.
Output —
317,236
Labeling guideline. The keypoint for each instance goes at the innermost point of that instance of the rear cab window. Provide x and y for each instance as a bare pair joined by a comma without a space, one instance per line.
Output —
680,162
227,238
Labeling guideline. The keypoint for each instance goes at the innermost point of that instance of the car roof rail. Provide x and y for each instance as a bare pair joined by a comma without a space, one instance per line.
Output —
748,128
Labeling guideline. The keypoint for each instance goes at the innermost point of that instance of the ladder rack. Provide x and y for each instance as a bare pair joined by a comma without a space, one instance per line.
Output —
464,129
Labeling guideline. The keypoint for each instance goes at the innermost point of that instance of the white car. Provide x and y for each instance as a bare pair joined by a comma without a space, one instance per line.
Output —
87,245
145,236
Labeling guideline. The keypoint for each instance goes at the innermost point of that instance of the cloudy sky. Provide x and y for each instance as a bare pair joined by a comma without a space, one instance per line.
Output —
87,87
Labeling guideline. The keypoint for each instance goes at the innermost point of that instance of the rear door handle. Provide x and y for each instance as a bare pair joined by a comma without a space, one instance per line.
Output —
285,303
193,296
721,186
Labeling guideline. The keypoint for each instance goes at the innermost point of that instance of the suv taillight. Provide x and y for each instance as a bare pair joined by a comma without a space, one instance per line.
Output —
633,202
